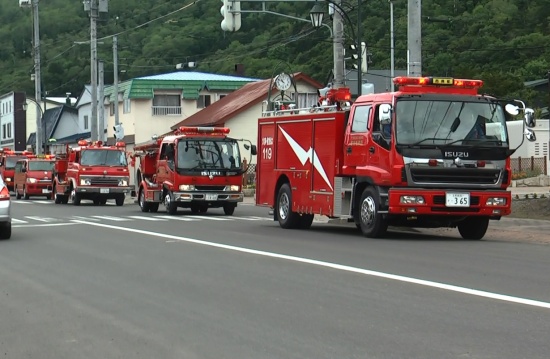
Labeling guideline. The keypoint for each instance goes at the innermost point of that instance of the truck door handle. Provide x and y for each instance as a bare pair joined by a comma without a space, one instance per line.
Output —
371,149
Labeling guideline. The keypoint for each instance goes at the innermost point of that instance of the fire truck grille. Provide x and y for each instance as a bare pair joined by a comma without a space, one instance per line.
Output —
104,181
210,188
455,175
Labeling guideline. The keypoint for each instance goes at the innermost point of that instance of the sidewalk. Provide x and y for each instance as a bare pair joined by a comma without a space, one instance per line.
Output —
530,192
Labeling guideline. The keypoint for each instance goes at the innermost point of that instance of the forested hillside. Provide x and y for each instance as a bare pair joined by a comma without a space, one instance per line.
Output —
503,42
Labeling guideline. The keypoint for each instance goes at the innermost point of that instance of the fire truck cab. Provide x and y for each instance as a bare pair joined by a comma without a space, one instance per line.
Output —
435,153
33,176
196,167
8,159
91,171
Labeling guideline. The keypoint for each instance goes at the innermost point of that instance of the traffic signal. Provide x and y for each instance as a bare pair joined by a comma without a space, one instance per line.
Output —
230,11
364,56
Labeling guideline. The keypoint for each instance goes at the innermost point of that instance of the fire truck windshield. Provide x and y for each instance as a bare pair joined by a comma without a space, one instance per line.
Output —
435,122
12,160
41,165
208,154
103,157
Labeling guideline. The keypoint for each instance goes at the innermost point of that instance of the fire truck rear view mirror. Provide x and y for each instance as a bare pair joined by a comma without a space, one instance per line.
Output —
512,109
530,118
530,135
384,114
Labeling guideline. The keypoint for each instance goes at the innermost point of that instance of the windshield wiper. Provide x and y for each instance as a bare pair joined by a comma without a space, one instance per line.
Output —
410,145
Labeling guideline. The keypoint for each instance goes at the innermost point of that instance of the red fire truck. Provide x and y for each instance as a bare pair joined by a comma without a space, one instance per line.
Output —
91,171
8,159
435,153
33,176
196,167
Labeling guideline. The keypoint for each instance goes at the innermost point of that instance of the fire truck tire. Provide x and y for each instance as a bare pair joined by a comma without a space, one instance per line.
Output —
203,208
25,194
75,198
64,199
287,218
229,209
195,208
96,202
473,227
171,206
154,207
143,204
119,201
103,202
305,221
372,223
17,194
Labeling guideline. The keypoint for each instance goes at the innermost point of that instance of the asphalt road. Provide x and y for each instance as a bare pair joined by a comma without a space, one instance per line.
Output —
112,282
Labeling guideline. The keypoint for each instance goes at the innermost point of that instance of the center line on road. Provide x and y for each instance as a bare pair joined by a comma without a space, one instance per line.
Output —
345,268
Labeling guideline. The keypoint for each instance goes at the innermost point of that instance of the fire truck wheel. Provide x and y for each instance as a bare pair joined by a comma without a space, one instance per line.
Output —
203,208
305,221
25,194
473,227
287,218
195,208
229,209
96,202
144,205
154,207
119,201
17,194
103,202
171,206
75,198
372,223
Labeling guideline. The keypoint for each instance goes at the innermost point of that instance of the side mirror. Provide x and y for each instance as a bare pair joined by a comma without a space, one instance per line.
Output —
530,135
384,114
512,109
253,150
529,118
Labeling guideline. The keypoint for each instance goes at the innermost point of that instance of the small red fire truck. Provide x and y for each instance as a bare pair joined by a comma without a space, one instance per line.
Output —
195,167
33,176
92,171
435,153
8,159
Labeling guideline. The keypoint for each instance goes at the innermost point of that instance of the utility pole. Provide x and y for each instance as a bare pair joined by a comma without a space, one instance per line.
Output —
360,57
37,75
115,78
392,54
414,38
338,46
93,63
101,115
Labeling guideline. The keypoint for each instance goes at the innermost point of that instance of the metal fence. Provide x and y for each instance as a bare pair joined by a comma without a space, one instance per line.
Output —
531,166
250,175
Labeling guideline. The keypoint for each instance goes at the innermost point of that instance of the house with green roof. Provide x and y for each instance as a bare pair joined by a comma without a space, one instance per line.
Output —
151,105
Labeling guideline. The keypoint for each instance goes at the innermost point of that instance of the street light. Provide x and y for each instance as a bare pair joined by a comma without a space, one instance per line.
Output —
37,137
316,14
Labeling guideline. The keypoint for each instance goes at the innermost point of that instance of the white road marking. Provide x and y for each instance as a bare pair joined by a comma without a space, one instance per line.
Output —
41,219
345,268
245,218
85,218
179,218
147,218
110,218
43,225
43,202
22,202
210,218
13,220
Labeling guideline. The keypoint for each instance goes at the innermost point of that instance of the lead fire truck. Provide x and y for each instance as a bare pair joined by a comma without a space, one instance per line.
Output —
195,167
435,153
91,171
8,159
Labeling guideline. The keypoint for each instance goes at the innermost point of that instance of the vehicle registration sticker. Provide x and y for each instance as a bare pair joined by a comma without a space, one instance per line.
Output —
457,200
211,197
103,190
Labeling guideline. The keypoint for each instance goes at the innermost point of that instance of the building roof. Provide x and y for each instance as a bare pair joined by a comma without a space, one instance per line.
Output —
535,83
189,84
238,101
74,138
50,120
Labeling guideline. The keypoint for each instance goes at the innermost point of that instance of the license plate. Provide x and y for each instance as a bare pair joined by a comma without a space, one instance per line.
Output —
457,200
211,197
103,190
45,191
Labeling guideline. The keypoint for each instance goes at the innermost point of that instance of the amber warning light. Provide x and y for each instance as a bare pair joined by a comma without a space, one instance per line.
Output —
437,81
194,130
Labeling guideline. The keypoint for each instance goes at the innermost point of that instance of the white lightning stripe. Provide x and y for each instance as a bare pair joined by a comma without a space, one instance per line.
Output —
304,155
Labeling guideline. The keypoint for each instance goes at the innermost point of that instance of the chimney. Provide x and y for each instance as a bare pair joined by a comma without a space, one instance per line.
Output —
239,69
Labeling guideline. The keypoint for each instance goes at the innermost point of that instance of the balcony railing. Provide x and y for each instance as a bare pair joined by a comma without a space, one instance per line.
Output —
166,110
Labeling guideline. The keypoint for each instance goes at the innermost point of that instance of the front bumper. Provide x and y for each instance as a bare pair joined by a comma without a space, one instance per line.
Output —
192,196
104,190
38,188
435,202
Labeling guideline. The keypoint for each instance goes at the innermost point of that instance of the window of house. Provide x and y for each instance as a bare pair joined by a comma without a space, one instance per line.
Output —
9,130
166,105
221,96
203,101
126,105
86,122
112,109
4,131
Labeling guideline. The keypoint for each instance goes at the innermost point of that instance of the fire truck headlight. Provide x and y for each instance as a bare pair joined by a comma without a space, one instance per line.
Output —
85,182
8,179
495,201
412,200
187,187
123,182
31,180
233,188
